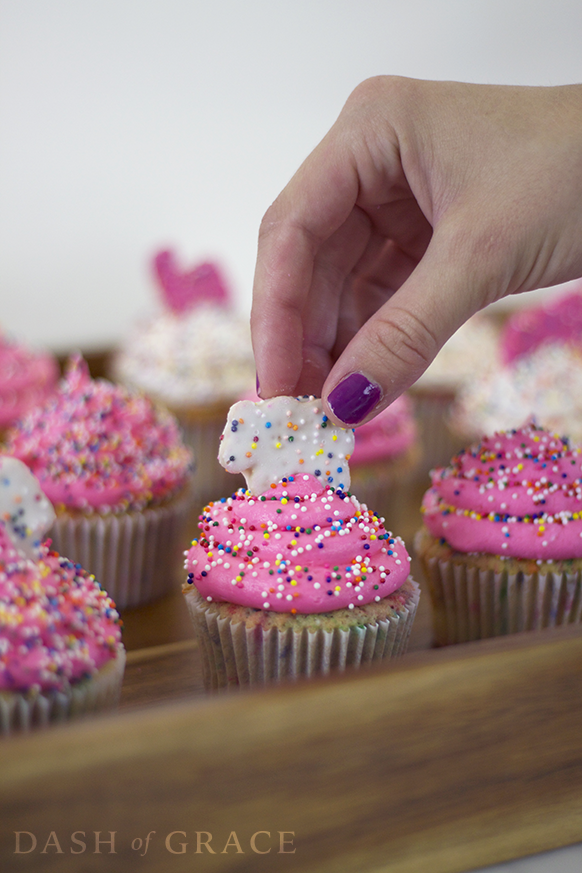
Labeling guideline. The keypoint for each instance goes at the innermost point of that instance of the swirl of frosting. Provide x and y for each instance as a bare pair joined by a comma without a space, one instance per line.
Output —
98,446
387,435
26,380
57,626
516,494
299,547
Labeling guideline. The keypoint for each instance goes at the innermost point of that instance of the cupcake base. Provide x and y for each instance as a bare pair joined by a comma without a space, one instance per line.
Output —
21,712
475,597
135,556
245,646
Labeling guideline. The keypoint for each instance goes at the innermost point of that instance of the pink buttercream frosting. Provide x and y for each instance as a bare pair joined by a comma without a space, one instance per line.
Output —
298,547
57,626
388,435
516,494
551,322
98,446
26,380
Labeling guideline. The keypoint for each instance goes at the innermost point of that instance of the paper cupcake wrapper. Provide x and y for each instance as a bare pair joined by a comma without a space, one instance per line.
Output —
211,480
21,712
135,556
233,654
469,603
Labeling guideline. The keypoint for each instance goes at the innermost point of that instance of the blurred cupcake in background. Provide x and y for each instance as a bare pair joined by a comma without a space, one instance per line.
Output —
120,478
501,543
61,654
27,378
470,353
545,384
554,321
195,357
541,374
386,453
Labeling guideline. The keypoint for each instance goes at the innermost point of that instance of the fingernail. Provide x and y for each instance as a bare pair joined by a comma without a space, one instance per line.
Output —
258,386
353,398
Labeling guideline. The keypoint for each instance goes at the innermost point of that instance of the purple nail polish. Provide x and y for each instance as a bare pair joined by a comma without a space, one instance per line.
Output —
258,385
353,398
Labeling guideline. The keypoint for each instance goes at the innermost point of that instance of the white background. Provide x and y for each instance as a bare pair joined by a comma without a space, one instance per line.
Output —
126,125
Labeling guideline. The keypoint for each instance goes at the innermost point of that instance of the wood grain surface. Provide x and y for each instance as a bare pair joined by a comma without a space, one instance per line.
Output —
453,759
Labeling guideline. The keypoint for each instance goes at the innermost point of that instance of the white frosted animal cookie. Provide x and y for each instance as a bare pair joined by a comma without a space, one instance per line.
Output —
271,439
26,513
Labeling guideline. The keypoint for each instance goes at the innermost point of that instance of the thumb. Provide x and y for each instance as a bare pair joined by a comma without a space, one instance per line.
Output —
394,347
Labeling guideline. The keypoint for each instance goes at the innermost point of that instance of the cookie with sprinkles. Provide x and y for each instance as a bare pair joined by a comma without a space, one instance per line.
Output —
501,543
293,575
60,634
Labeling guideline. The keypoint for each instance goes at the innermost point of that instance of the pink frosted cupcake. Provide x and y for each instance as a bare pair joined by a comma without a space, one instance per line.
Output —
293,576
501,544
195,357
386,454
26,380
558,320
119,476
60,640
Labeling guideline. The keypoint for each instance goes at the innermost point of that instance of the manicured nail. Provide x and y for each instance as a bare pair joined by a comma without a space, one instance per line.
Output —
353,398
258,386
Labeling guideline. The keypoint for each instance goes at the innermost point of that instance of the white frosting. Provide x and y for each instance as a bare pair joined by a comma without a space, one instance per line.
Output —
283,436
193,358
547,384
26,513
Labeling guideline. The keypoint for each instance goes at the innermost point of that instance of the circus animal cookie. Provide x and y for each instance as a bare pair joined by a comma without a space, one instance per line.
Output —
274,438
25,512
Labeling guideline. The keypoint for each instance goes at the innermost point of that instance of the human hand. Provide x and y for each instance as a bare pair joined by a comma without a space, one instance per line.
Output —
425,202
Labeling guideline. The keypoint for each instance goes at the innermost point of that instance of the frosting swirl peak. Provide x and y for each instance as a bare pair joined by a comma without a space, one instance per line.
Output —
95,445
517,494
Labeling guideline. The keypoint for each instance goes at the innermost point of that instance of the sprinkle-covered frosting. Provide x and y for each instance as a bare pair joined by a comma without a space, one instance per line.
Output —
199,358
300,547
197,351
26,380
273,438
388,435
546,384
515,494
56,624
97,446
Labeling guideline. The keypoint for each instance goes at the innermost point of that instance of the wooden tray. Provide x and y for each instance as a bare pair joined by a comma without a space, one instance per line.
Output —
448,760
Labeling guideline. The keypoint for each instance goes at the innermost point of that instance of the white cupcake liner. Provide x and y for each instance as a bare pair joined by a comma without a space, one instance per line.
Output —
469,603
21,712
211,480
135,556
234,654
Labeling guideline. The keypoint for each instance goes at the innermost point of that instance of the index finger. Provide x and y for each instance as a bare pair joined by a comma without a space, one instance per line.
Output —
315,203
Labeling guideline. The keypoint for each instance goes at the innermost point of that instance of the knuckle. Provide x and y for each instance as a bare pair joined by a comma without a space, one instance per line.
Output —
405,337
